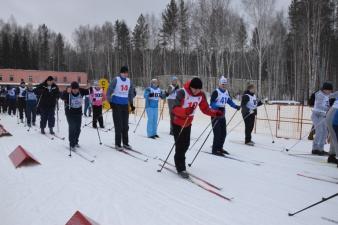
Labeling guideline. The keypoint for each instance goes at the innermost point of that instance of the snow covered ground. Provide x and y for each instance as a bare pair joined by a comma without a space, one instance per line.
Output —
118,189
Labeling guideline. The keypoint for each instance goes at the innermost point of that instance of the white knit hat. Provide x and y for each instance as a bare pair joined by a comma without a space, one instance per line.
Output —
223,80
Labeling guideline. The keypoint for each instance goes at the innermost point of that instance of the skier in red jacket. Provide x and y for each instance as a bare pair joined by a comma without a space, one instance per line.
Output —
187,100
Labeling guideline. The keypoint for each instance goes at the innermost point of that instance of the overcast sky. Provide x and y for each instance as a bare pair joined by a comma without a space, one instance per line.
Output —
65,15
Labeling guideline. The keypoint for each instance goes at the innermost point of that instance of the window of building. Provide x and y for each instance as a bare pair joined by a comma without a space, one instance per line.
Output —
64,79
0,77
30,78
79,79
11,78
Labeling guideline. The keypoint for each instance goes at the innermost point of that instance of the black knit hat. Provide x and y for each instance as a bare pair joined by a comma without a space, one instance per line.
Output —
49,78
196,83
75,85
327,86
124,69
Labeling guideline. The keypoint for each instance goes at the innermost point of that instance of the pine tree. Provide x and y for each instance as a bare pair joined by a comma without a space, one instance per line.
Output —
59,57
140,34
183,25
25,53
16,52
6,50
170,24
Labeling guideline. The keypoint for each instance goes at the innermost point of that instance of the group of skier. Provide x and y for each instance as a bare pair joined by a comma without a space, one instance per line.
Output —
182,104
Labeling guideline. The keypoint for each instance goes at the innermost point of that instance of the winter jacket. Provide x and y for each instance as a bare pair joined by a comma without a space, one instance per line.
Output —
213,101
97,97
11,94
114,98
47,95
30,97
151,100
180,107
74,103
244,102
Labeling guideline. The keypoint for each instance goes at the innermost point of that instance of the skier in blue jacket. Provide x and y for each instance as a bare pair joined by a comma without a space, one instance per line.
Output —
31,101
152,95
219,98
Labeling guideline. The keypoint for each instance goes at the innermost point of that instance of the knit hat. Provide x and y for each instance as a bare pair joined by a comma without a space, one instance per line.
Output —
174,78
50,78
124,69
223,80
327,86
196,83
75,85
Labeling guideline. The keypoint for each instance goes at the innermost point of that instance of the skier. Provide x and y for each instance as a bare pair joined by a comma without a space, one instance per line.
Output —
219,98
3,101
21,99
97,97
171,96
332,124
120,93
152,95
31,102
249,106
73,98
48,93
11,100
319,111
187,100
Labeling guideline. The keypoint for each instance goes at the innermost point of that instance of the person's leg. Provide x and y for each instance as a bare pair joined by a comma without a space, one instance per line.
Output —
155,120
77,121
171,105
125,125
95,116
29,115
182,141
20,107
71,130
148,111
100,116
51,118
223,128
249,124
43,118
321,131
216,128
33,115
117,123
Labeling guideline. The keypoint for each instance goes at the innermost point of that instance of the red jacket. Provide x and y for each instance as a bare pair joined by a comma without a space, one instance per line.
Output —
182,103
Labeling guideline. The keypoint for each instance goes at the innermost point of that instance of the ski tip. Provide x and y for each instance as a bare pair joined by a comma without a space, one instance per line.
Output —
290,214
189,165
158,171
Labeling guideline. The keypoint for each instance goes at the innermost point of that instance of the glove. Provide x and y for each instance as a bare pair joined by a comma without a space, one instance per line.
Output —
238,108
151,95
94,99
132,107
189,111
176,87
166,94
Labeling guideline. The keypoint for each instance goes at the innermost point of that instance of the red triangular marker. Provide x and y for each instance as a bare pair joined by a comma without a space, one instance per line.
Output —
20,156
80,219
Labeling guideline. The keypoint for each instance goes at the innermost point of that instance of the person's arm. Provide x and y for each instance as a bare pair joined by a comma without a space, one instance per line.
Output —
131,94
146,93
334,95
178,110
232,104
245,100
111,88
213,98
84,91
204,107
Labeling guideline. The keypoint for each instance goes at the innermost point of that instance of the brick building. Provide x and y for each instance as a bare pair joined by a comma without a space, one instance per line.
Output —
14,77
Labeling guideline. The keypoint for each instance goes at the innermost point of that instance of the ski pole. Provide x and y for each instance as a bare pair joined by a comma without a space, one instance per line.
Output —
239,122
313,128
57,116
323,200
201,134
172,148
161,114
98,134
85,125
199,150
70,151
267,117
233,116
138,123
